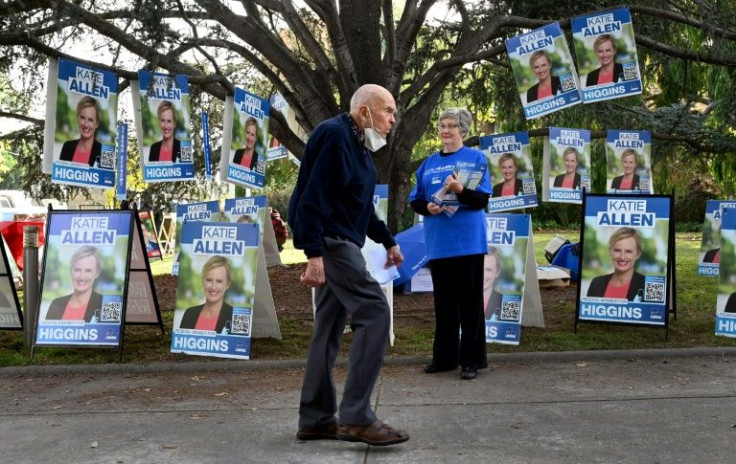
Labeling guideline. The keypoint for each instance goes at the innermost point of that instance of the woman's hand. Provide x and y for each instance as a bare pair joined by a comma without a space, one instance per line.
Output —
452,184
433,209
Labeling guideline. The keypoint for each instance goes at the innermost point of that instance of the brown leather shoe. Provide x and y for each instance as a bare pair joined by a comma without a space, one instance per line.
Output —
320,432
375,434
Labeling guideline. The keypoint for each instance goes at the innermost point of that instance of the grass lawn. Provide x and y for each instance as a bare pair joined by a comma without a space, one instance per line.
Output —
694,326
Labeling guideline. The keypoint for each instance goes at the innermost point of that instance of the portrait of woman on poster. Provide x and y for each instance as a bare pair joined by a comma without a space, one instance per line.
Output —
84,302
85,149
214,314
712,256
629,180
609,72
624,247
456,245
168,148
730,306
570,179
510,184
247,157
491,298
547,85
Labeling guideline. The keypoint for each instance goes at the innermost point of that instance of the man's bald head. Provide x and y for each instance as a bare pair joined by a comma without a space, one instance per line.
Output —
377,99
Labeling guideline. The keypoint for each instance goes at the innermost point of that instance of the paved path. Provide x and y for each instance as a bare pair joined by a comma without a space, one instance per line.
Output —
654,406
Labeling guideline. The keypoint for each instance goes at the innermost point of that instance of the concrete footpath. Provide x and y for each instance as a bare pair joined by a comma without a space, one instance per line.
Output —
649,406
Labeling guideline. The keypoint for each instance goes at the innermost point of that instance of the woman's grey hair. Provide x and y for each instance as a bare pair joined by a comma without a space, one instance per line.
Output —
462,118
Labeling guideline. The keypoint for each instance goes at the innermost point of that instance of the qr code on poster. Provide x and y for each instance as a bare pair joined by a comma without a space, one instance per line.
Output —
654,291
529,188
644,184
568,83
186,154
110,311
630,73
241,324
510,310
107,159
585,184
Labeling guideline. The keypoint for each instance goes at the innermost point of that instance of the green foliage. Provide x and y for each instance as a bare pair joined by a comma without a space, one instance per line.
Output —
280,180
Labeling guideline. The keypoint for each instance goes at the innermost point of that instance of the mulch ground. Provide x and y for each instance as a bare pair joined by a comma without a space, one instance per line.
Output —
293,299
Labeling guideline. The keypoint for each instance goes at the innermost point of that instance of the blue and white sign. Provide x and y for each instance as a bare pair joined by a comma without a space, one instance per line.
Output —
216,290
121,185
544,71
625,253
569,160
503,276
166,140
84,278
606,54
629,162
200,211
512,171
247,150
85,126
710,247
726,299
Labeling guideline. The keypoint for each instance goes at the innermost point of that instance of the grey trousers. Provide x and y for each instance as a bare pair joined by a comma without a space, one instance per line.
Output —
349,290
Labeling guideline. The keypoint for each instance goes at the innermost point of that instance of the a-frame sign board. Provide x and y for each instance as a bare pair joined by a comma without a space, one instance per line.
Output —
85,279
11,316
510,284
627,260
142,302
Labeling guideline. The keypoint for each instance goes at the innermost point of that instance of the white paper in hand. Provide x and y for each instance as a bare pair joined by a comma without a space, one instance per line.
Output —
382,275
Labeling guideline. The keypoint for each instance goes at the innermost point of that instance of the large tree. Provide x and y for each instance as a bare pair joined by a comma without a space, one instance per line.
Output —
318,53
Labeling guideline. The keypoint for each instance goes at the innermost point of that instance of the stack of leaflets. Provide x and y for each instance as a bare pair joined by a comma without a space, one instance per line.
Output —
469,174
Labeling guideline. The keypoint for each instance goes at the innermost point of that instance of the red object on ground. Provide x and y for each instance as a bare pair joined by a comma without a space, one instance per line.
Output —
13,233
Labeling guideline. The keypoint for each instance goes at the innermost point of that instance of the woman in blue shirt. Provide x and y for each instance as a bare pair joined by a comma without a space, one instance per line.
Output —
452,190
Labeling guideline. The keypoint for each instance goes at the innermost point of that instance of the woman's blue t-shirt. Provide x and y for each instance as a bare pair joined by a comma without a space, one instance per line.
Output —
463,233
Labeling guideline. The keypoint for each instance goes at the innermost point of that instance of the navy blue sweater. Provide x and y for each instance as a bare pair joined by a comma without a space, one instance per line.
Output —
333,196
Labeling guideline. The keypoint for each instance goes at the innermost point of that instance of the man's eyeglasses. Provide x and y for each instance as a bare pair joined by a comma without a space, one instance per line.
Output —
448,126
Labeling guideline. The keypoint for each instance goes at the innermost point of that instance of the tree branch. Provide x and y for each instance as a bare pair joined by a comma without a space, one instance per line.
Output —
677,17
21,6
684,54
602,134
22,117
316,107
407,31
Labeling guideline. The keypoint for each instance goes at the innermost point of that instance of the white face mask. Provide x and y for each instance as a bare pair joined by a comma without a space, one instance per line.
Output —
373,140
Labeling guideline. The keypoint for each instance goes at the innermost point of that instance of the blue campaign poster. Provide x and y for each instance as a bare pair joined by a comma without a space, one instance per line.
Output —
629,162
216,289
85,127
606,54
84,278
726,299
710,247
247,151
624,259
166,139
512,172
200,211
503,276
275,149
544,71
250,210
569,160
